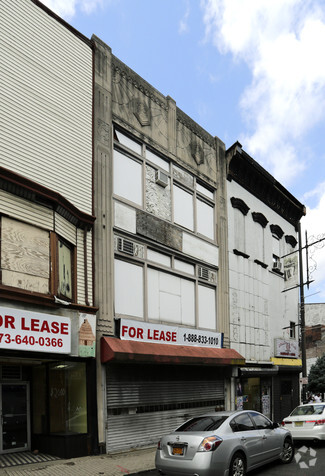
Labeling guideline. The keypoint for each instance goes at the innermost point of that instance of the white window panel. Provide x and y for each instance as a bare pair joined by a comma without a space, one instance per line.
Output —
153,294
183,208
185,267
158,257
170,298
204,191
205,219
170,283
170,307
128,289
131,144
207,307
127,178
163,164
188,302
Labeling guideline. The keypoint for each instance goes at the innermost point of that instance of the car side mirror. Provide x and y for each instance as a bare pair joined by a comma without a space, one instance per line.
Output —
275,425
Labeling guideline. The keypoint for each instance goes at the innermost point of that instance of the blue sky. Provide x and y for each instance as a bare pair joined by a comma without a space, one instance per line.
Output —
247,70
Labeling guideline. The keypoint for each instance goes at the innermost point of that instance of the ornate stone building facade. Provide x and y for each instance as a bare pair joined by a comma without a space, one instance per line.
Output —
160,259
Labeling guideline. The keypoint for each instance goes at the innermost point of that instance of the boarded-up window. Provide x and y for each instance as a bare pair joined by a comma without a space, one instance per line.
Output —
207,307
65,270
127,178
239,222
183,208
170,298
128,289
205,219
25,256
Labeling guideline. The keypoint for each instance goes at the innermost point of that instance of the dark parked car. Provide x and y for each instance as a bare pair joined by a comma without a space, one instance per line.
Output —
223,443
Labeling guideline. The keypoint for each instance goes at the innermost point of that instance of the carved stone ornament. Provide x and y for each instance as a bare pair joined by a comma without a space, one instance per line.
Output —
141,111
197,153
103,132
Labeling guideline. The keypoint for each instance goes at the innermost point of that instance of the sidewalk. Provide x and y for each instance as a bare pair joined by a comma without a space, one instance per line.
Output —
105,465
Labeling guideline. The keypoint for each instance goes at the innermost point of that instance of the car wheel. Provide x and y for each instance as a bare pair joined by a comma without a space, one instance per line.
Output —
238,465
287,452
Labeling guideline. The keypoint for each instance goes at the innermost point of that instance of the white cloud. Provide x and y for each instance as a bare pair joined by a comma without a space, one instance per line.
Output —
183,24
281,41
67,8
313,223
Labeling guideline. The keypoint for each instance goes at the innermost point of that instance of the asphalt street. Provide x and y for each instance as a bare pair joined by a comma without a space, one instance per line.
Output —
309,460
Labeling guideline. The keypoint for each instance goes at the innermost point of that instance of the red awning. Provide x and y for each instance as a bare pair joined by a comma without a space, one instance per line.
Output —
119,350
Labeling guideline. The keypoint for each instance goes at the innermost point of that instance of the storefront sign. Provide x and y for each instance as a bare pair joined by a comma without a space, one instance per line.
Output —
286,348
87,335
33,331
161,334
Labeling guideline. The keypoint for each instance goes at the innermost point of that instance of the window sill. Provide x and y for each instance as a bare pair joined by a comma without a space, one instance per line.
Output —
46,300
240,253
276,271
260,263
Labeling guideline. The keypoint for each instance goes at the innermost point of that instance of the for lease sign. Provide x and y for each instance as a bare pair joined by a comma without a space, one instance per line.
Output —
162,334
33,331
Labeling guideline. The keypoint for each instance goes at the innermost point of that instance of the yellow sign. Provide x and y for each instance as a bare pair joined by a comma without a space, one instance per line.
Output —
279,361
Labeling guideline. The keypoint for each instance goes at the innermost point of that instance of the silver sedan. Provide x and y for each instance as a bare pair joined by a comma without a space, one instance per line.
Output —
223,443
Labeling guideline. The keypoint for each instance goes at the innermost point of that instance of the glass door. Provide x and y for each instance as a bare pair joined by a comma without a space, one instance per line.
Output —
14,423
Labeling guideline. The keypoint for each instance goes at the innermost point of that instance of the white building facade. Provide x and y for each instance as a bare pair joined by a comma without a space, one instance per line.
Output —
263,220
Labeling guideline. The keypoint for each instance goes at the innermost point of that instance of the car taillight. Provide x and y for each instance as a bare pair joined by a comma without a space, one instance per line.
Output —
210,443
283,423
159,445
317,422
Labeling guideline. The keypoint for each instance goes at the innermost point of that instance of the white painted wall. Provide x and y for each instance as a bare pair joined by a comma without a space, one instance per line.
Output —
259,310
45,102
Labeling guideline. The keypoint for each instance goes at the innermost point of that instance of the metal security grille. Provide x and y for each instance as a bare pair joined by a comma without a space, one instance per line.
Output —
144,402
10,372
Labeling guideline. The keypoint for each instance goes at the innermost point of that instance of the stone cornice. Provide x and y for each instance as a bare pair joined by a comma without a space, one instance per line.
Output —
195,128
139,83
256,180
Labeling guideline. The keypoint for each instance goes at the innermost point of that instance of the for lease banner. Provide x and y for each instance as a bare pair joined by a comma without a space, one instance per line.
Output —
33,331
163,334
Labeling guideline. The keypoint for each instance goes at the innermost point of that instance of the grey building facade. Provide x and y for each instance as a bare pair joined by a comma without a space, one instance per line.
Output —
160,260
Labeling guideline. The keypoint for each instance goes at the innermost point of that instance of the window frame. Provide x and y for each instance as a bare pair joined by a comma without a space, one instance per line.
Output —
197,190
234,423
54,274
147,263
254,416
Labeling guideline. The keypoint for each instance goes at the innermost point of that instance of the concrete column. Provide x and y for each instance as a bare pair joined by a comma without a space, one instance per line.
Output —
102,193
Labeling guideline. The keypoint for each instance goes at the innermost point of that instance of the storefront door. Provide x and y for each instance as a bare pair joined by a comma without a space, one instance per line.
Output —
14,423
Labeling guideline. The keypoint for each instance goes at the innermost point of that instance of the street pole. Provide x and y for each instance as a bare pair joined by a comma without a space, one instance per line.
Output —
302,317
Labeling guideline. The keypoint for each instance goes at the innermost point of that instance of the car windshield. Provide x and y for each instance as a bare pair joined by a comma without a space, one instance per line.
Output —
308,410
204,423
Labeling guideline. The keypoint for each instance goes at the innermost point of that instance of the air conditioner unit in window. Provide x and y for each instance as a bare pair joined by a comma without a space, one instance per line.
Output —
126,246
277,266
161,178
203,273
